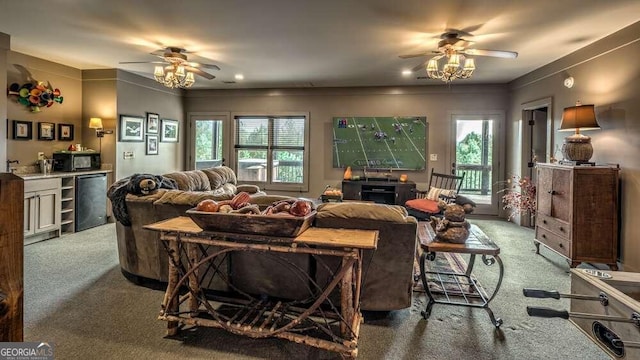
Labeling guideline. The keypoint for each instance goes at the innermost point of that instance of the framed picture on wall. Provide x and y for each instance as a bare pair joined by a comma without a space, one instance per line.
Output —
169,131
152,145
131,128
22,130
153,123
46,131
65,132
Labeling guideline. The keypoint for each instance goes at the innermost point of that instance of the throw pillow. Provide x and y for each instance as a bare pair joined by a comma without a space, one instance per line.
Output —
435,193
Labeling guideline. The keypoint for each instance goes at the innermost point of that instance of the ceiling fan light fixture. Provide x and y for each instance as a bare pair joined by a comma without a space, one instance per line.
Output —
158,73
469,65
451,69
180,71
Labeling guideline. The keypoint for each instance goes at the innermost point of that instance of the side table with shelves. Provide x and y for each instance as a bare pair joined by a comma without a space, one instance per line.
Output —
311,322
455,288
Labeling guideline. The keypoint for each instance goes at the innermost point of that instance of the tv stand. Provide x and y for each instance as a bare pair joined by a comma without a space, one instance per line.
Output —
382,192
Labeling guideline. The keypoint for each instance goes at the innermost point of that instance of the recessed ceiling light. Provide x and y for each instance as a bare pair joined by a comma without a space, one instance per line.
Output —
239,77
406,72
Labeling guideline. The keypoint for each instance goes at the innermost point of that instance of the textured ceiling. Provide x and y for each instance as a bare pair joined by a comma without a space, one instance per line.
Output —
302,43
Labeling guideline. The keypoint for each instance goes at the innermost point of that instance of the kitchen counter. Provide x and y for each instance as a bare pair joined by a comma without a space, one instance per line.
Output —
60,174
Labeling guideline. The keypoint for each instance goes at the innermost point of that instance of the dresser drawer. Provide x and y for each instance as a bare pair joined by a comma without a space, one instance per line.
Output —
555,242
554,225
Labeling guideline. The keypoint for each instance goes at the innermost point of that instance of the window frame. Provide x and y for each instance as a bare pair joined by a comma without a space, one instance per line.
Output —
269,184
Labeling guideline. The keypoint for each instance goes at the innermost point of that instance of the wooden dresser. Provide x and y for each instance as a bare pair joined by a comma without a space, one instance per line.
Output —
577,212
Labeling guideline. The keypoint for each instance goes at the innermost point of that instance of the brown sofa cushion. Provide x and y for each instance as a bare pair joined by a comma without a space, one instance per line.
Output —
367,211
219,176
193,180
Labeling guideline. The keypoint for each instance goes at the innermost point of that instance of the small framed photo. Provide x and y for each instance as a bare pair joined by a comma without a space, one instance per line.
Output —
131,128
46,131
65,132
169,131
153,123
22,130
152,145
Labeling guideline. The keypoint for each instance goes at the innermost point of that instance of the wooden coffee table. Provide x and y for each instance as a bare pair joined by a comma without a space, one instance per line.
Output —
456,288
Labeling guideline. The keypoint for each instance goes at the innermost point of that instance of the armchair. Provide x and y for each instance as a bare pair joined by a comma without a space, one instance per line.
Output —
443,187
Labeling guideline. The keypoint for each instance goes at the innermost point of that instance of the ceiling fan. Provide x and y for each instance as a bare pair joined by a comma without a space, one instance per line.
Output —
174,58
453,46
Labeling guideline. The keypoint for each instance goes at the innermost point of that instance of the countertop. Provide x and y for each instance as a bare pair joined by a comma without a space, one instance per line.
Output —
59,174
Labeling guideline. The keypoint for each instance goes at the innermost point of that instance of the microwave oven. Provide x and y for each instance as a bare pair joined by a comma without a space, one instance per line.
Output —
76,160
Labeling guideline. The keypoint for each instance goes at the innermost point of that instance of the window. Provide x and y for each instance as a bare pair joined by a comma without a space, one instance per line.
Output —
272,151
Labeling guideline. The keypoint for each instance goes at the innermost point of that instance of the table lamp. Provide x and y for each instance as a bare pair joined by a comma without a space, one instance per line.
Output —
577,147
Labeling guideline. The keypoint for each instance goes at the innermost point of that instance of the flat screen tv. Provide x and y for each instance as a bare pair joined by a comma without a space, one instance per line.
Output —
380,142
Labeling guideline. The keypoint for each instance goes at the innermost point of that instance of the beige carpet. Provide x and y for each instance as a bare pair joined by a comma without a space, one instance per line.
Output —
76,298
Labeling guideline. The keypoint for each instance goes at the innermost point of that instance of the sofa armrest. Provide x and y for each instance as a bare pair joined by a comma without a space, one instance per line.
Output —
248,188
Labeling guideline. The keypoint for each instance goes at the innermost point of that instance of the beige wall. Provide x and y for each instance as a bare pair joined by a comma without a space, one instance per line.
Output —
136,96
436,102
606,74
68,80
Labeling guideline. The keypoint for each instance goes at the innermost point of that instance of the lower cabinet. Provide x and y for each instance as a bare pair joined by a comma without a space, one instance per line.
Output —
42,208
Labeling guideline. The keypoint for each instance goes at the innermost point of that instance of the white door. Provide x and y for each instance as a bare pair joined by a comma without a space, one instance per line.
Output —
207,139
476,154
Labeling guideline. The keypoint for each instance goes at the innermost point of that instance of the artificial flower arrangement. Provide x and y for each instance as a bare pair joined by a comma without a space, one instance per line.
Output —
519,197
35,95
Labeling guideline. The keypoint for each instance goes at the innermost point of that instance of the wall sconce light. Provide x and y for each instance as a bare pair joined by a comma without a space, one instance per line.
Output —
96,123
577,147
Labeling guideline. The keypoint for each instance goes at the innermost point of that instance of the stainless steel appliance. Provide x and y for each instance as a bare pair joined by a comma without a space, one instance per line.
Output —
91,201
76,160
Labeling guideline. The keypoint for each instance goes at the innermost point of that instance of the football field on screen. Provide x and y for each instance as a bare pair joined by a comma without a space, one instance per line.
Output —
380,142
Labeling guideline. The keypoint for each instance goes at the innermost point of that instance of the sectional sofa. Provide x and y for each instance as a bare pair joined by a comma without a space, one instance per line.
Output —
387,271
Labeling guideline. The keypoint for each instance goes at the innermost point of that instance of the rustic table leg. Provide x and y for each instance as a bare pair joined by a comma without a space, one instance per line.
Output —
172,304
194,284
346,297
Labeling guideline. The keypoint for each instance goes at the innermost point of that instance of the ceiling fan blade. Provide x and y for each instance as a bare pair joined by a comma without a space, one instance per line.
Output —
199,72
494,53
418,55
420,67
409,56
142,62
201,65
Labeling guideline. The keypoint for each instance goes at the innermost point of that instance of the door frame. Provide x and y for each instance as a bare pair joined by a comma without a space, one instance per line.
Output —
192,117
526,130
525,144
498,116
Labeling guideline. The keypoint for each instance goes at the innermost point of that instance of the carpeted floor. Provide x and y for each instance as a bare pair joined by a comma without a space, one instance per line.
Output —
76,298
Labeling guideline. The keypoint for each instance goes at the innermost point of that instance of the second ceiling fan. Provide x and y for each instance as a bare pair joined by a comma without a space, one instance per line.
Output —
455,49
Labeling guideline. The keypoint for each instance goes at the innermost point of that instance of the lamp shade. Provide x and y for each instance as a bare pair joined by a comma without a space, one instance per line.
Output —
95,123
581,117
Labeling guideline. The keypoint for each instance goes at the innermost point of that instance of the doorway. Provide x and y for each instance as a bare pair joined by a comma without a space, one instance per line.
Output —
476,153
537,142
207,135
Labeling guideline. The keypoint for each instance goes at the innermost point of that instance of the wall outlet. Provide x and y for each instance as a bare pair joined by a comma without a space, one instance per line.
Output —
433,157
127,155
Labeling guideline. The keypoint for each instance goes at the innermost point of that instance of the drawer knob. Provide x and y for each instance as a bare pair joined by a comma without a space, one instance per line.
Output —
561,229
552,192
544,236
544,221
561,245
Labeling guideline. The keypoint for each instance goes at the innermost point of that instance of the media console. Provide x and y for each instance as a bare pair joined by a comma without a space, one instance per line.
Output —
379,191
